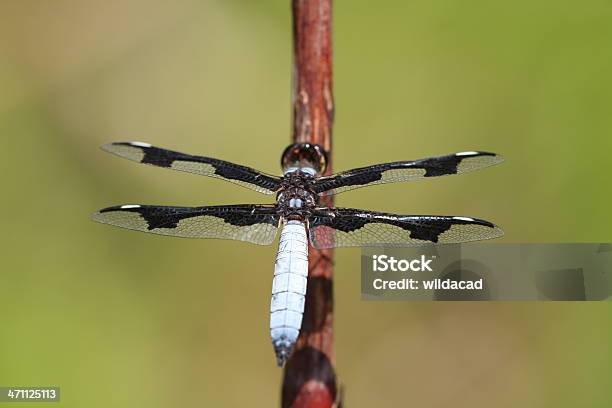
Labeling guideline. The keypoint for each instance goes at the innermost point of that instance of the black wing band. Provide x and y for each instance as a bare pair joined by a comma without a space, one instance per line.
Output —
205,166
252,223
344,227
406,170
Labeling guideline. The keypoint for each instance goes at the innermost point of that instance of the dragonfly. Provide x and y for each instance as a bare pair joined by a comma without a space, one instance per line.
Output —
299,214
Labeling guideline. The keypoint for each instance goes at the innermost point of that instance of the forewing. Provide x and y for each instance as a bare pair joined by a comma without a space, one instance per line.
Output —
345,227
204,166
406,170
251,223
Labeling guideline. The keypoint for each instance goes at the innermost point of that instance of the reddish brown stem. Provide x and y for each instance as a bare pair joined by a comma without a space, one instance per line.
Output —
310,379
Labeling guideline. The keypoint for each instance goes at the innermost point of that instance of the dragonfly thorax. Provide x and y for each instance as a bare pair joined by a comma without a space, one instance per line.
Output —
296,199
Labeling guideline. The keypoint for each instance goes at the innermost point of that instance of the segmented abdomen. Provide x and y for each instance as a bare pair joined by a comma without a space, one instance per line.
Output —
288,289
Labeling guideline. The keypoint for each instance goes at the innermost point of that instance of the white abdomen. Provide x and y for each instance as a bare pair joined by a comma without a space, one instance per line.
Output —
288,289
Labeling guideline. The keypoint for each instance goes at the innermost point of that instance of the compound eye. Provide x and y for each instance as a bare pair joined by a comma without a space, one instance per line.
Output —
304,155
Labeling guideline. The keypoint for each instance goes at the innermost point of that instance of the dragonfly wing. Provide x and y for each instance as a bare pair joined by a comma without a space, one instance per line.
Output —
406,170
204,166
346,227
249,222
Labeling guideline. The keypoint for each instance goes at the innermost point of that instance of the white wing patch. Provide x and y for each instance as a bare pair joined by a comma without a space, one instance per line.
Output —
463,218
140,144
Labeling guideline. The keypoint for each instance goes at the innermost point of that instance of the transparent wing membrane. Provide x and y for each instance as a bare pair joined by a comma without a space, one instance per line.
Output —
405,171
346,227
251,223
204,166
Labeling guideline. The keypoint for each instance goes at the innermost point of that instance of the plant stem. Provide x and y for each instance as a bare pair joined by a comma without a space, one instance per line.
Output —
309,377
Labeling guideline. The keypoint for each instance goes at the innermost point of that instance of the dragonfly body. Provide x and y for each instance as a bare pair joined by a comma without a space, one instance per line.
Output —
296,198
289,288
299,215
295,203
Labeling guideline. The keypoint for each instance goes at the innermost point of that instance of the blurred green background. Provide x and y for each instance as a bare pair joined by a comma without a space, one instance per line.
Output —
124,319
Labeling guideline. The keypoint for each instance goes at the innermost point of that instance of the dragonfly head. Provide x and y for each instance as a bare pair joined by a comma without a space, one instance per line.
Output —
304,156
